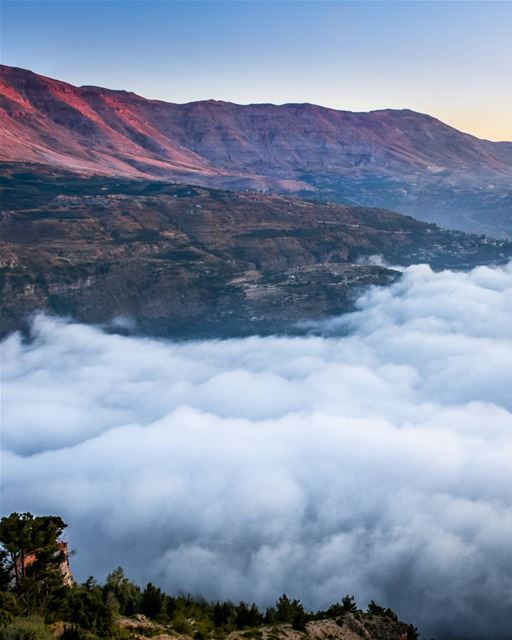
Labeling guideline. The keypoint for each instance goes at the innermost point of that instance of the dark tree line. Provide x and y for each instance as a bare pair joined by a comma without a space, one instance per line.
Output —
31,584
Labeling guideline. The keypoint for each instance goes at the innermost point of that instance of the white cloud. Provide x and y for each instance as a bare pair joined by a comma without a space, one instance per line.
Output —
375,458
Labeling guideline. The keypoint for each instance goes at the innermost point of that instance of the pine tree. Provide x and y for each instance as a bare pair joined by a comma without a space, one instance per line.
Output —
348,604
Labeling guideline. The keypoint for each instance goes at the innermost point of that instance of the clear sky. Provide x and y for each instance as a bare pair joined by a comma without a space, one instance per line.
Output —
450,59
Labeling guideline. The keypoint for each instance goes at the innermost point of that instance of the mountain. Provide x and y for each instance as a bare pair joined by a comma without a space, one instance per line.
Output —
402,160
186,260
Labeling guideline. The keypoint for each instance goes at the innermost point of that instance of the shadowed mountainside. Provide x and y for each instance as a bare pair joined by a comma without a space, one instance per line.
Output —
184,260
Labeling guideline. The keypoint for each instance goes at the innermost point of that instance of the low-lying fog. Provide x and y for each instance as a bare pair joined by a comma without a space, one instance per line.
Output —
374,459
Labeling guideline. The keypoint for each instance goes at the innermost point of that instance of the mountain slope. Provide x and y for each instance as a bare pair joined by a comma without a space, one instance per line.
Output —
397,159
197,261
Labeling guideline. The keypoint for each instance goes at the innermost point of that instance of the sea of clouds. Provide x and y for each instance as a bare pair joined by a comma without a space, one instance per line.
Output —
374,457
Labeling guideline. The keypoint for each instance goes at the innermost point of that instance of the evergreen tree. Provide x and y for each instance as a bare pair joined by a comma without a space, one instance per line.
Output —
5,571
152,601
289,610
31,556
270,616
375,609
348,604
299,618
30,545
284,609
242,616
88,609
222,613
126,594
255,617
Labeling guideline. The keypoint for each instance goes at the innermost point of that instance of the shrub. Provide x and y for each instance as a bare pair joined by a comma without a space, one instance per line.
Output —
74,633
26,629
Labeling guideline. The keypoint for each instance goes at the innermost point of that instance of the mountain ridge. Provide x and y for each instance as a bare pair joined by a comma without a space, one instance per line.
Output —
396,159
397,110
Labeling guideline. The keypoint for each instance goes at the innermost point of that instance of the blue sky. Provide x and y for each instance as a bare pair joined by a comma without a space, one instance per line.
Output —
450,59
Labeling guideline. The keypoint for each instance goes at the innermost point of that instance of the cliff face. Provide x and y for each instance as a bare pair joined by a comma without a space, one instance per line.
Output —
65,570
183,260
396,159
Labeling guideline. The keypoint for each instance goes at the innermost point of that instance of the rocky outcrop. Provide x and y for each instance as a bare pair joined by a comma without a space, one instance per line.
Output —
360,626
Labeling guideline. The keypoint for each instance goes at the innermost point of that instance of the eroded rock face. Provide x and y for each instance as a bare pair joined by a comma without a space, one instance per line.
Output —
183,260
401,160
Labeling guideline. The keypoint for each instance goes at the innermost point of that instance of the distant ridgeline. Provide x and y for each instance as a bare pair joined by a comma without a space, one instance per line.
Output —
39,600
398,159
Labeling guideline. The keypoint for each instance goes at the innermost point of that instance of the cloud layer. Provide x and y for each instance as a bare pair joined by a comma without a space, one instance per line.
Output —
374,458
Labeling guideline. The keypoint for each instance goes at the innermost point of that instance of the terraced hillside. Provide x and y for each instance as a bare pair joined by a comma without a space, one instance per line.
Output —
178,259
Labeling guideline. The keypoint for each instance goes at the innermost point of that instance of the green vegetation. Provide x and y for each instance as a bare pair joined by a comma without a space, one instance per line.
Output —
39,602
32,628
